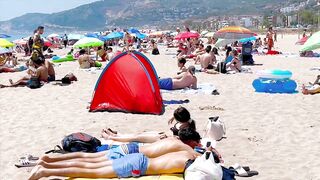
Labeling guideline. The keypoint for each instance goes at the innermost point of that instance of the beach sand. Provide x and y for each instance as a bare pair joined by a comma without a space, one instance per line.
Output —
275,134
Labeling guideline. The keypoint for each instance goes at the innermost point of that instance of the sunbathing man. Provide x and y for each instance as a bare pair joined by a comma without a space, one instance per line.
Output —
132,165
206,60
188,140
184,80
314,89
38,70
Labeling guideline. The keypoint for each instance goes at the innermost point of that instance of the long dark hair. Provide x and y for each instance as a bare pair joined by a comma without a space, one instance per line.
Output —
182,115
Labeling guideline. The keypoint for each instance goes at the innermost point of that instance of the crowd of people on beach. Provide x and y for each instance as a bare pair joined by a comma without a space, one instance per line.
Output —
180,148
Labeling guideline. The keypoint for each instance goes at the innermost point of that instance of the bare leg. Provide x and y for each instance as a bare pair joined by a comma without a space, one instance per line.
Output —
76,155
40,172
75,163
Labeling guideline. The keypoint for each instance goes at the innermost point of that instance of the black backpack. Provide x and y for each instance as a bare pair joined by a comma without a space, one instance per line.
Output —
80,142
221,67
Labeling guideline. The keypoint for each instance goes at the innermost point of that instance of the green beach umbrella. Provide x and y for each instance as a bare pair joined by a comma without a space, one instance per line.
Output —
312,43
88,42
5,43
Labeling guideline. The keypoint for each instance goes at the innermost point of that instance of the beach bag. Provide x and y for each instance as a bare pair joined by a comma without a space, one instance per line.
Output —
221,67
204,168
34,83
215,129
80,142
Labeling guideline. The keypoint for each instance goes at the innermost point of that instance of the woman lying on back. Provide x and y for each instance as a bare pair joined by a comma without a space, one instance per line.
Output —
181,117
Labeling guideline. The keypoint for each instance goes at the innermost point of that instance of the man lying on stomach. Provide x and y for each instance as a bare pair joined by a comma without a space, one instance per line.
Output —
123,160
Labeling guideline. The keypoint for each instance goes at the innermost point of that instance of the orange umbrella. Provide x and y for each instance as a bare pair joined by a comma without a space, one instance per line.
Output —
233,32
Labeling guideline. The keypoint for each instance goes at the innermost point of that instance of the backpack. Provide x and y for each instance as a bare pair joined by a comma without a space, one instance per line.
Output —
80,142
215,129
221,67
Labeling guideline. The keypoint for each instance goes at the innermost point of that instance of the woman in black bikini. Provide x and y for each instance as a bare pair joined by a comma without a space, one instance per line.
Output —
183,120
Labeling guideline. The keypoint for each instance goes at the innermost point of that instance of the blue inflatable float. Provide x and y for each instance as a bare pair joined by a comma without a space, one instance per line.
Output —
275,81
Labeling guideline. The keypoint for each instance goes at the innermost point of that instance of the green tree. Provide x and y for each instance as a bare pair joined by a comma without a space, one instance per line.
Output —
306,17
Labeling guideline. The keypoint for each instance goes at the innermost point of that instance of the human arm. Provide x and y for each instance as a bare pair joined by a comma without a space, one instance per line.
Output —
194,84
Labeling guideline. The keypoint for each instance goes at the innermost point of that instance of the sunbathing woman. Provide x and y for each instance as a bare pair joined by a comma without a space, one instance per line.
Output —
235,64
314,89
180,115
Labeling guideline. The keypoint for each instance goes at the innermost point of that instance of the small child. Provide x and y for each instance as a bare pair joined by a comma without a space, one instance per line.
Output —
181,65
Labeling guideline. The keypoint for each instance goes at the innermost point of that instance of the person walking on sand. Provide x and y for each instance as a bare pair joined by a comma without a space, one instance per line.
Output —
38,43
269,37
65,40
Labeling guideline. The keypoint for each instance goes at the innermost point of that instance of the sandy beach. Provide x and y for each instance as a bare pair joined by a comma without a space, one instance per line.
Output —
275,134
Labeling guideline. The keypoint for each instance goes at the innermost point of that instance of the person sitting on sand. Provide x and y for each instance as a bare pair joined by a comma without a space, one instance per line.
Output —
110,53
235,64
206,60
314,89
151,159
184,80
84,60
181,117
181,64
36,70
309,54
102,54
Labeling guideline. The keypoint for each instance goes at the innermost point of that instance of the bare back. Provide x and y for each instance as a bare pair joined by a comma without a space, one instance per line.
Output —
165,146
42,73
50,68
187,80
177,163
205,60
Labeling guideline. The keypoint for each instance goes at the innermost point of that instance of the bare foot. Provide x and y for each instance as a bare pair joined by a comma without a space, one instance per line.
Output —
106,134
36,173
304,90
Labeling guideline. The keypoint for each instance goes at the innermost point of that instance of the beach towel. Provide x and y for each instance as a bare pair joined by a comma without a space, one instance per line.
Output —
159,177
202,89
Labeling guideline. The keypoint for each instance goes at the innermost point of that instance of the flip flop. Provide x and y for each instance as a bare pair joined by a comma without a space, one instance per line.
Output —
29,157
243,171
25,163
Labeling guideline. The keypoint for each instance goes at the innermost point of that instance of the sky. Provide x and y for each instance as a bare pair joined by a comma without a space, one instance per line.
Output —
14,8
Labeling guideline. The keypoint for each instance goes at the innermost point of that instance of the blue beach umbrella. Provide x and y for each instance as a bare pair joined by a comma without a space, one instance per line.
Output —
244,40
141,36
114,35
93,35
4,36
134,31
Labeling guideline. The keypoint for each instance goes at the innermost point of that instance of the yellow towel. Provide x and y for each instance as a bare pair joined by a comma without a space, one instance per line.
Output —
161,177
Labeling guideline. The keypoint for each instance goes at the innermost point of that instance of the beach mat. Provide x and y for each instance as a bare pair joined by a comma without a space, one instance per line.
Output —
161,177
205,89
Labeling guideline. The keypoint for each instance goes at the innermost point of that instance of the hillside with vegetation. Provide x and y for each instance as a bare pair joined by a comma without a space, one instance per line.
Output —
137,13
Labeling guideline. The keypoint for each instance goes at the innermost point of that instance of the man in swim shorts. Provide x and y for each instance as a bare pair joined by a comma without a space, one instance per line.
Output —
184,80
133,165
189,139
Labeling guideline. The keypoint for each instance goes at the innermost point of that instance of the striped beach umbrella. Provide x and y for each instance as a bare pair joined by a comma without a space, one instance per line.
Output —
234,32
